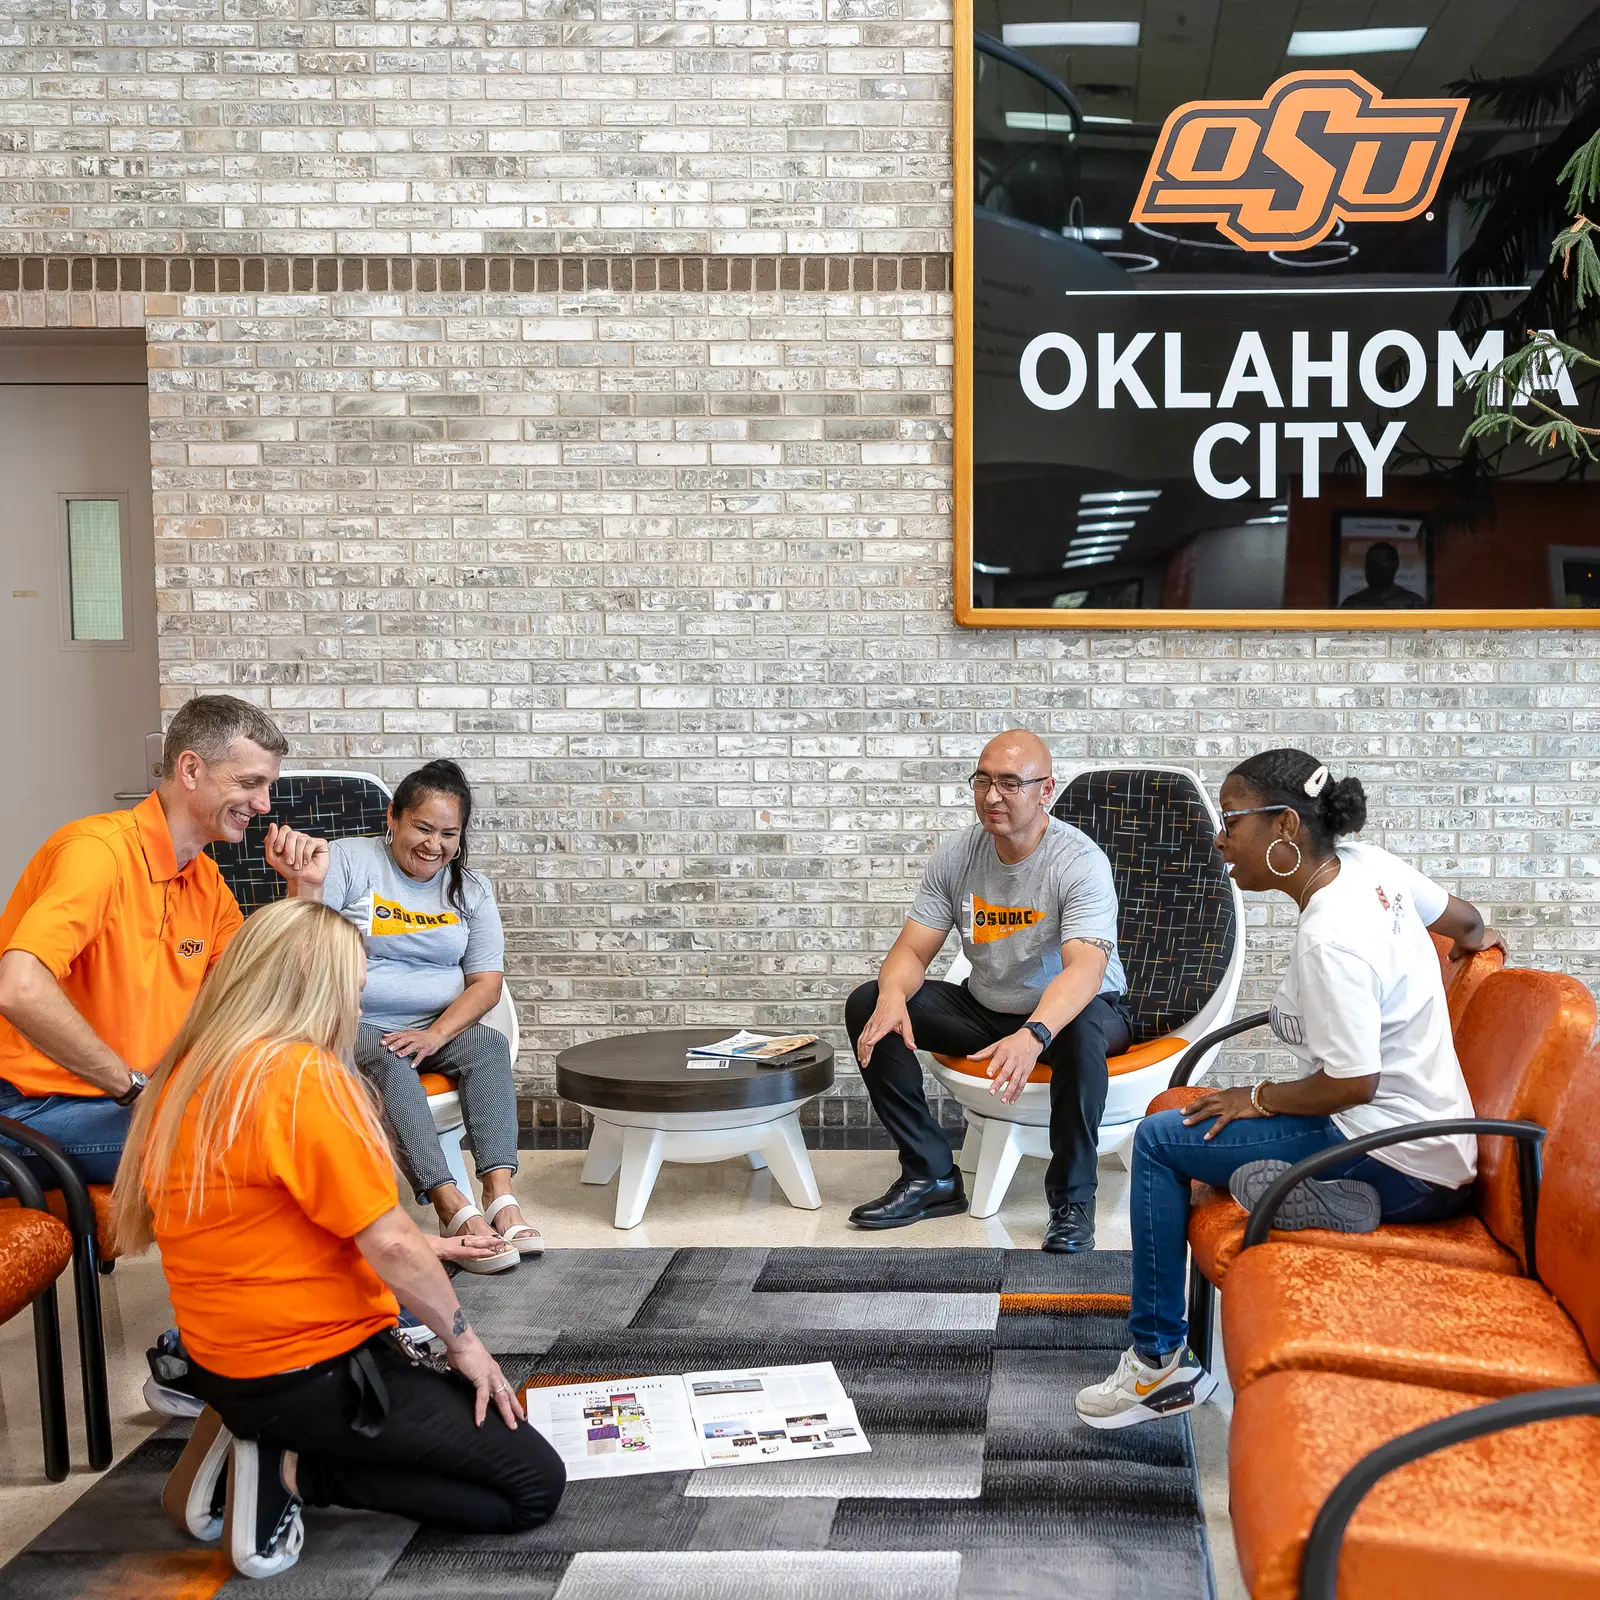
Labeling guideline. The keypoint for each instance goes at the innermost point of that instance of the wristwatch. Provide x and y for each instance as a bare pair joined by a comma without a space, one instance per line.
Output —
134,1089
1041,1033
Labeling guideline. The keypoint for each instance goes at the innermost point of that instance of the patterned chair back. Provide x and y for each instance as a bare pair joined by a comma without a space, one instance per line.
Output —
1175,920
331,805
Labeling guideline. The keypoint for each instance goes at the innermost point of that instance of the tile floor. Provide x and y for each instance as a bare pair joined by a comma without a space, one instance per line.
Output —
722,1204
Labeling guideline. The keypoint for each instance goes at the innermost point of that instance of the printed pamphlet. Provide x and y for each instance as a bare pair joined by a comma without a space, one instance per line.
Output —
743,1046
624,1426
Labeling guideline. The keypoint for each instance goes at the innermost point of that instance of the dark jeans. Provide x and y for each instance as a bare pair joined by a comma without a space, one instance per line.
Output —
91,1128
1167,1155
946,1018
416,1453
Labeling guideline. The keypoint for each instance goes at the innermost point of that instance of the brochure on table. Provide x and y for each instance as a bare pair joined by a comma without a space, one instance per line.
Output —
624,1426
744,1046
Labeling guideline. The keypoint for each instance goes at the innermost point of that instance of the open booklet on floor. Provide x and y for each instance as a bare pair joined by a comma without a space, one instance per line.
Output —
622,1426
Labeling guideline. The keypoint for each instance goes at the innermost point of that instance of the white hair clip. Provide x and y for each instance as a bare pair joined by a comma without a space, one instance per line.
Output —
1317,782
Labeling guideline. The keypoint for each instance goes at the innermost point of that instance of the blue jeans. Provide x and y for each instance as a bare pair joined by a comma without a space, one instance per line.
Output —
1167,1155
90,1128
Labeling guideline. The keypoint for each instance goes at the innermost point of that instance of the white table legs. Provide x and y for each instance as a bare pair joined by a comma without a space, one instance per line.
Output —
635,1143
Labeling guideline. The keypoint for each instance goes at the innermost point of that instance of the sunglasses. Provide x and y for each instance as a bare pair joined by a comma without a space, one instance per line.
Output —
1250,811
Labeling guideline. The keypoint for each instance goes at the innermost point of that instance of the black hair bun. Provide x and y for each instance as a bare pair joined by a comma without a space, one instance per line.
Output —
1344,806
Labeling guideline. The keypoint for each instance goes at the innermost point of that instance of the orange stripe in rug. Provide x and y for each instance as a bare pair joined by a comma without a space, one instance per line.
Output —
1065,1305
160,1575
554,1380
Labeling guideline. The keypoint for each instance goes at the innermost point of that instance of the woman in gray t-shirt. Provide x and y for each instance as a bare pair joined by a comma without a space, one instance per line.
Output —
435,968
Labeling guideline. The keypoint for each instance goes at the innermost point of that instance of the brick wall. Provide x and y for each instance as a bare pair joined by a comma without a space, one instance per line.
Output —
660,551
399,127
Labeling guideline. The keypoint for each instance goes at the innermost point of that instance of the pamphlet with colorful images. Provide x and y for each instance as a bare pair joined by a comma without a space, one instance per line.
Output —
743,1046
623,1426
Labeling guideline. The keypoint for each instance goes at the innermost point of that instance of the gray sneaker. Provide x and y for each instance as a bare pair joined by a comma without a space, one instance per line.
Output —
1342,1205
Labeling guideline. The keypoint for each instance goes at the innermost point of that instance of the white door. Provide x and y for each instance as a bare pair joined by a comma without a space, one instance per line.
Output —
77,584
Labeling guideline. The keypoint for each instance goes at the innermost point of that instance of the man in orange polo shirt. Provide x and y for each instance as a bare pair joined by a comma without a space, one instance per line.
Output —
115,921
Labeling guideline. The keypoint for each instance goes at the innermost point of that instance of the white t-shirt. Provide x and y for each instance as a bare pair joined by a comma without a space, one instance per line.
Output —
1363,994
1428,899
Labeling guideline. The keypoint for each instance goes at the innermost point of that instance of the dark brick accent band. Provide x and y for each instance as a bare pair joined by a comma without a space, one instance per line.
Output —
470,274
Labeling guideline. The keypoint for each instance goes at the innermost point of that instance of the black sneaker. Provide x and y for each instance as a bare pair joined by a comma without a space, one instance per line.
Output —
1070,1229
264,1531
911,1200
1342,1205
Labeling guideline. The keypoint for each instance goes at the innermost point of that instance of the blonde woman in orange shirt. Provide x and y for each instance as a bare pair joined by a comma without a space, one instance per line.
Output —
257,1164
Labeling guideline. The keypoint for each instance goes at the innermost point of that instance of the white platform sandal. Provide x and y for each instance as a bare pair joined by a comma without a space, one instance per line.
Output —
526,1238
500,1261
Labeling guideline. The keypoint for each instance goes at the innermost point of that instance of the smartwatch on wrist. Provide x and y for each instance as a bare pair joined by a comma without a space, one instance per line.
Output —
134,1089
1041,1033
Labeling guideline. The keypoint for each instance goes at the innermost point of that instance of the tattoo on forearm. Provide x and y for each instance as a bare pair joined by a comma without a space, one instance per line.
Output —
458,1323
1104,946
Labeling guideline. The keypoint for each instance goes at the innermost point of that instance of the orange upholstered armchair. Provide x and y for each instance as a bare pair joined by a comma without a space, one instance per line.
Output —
34,1251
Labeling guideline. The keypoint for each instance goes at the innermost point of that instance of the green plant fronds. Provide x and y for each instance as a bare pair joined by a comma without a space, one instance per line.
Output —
1581,174
1548,428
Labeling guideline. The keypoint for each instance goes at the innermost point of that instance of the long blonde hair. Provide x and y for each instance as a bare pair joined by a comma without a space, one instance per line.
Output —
291,976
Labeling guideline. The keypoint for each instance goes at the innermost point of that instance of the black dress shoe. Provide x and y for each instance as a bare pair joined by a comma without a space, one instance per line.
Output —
1071,1228
913,1200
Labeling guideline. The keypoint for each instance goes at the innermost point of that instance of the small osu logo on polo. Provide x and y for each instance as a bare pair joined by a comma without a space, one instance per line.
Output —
1281,172
190,948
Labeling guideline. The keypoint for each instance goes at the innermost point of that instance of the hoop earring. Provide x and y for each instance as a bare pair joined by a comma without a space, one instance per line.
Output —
1297,858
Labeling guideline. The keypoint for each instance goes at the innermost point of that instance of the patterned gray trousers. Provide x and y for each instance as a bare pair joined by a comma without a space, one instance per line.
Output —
482,1059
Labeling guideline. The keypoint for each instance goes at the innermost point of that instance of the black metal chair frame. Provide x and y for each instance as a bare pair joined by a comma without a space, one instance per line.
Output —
46,1334
85,1281
1319,1567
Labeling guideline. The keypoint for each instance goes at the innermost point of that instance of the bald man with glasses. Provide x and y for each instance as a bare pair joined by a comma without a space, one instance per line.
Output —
1036,908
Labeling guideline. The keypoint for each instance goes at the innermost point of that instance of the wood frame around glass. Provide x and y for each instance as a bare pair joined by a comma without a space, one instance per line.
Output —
1125,620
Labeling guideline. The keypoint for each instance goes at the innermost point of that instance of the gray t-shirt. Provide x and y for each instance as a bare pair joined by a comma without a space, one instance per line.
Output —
1014,920
420,949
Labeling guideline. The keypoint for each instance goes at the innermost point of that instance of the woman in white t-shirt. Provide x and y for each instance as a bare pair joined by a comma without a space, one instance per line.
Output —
1362,1005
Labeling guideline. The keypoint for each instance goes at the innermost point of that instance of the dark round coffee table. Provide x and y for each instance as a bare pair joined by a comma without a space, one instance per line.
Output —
650,1106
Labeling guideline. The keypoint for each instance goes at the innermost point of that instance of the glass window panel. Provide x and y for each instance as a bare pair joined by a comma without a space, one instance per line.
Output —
94,560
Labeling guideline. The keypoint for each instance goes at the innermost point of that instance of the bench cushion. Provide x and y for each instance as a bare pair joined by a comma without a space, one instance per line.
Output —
1293,1306
1496,1519
34,1252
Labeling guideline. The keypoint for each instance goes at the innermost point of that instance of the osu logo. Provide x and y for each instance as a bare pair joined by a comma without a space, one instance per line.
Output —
1319,148
191,948
989,923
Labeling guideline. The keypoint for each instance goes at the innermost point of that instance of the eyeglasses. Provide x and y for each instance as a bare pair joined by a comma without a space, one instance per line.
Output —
1007,783
1251,811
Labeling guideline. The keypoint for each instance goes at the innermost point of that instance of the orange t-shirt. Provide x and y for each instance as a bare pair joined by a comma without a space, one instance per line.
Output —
123,931
265,1277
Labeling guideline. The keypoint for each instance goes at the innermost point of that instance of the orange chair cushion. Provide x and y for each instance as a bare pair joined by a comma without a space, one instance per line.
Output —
1142,1055
34,1252
437,1083
1464,978
1519,1044
1176,1099
1216,1231
1496,1519
1569,1202
100,1196
1293,1306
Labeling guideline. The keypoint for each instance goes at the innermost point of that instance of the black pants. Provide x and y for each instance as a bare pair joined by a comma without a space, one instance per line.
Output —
413,1449
946,1018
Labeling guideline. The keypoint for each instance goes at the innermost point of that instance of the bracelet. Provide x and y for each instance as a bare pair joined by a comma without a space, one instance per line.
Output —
1255,1100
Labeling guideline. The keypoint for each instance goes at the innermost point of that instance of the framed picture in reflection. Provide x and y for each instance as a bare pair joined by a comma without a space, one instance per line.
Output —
1382,561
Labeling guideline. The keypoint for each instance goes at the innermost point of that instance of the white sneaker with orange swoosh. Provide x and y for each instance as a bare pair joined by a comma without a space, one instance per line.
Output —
1136,1392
